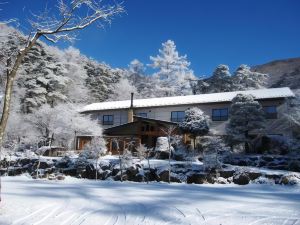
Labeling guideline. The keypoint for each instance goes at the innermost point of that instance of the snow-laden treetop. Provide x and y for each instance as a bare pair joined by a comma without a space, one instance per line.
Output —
190,99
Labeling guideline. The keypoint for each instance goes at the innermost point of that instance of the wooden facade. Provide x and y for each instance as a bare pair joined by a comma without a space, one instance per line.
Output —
129,135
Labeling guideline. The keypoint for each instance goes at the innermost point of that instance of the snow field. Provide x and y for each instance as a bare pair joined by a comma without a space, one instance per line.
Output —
78,201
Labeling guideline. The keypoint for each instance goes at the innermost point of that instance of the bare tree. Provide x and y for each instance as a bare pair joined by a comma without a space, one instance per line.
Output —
60,26
143,153
63,23
169,131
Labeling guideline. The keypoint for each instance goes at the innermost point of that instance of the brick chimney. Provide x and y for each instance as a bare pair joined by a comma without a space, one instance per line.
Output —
130,110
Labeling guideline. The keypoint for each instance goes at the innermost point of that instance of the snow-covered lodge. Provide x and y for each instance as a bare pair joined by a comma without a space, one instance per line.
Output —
142,119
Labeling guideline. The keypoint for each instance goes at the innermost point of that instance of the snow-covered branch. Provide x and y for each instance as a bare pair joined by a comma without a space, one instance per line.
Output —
73,16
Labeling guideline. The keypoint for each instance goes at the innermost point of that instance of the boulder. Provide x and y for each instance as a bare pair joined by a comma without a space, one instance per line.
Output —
253,175
115,171
69,171
273,176
226,173
118,177
162,155
198,178
131,173
106,174
60,177
290,179
294,166
241,179
164,176
151,175
242,163
24,161
42,165
267,158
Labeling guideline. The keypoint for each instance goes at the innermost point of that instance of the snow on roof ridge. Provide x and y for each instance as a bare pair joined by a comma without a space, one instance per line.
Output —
189,99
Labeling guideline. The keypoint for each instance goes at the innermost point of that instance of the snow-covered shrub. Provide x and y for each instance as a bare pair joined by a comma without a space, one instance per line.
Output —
263,180
214,150
162,145
195,123
290,179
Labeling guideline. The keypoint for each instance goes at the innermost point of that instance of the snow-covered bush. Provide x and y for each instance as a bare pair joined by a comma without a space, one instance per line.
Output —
58,125
214,150
195,123
162,145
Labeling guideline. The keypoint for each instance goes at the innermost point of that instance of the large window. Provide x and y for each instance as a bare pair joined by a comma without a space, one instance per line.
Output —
142,114
108,120
177,116
220,114
270,112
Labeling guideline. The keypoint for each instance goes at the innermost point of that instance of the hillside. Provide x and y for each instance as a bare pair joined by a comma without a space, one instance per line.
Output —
49,75
283,73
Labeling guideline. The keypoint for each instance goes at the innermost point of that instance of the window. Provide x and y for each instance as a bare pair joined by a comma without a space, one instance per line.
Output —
270,112
177,116
108,120
142,114
220,114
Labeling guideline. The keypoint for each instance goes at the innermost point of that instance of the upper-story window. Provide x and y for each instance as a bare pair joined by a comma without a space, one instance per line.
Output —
108,120
177,116
220,114
142,114
270,112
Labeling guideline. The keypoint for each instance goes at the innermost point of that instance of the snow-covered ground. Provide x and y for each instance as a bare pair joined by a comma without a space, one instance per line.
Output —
77,201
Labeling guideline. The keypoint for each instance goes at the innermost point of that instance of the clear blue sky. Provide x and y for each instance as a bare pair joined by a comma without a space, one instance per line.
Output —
210,32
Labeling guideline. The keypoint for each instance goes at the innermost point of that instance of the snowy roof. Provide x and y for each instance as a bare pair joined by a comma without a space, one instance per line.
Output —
190,99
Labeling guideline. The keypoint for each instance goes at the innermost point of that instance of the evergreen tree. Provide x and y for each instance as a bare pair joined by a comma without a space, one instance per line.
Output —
245,79
245,115
174,73
195,123
221,79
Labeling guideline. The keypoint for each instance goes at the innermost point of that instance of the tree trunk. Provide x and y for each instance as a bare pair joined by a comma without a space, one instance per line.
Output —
97,167
11,75
169,158
194,150
246,142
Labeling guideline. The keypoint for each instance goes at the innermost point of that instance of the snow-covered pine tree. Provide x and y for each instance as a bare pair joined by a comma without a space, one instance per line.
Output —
245,115
144,84
245,79
195,123
174,73
123,90
100,80
220,81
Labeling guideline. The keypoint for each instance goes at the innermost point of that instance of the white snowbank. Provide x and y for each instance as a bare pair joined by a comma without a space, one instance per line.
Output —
89,202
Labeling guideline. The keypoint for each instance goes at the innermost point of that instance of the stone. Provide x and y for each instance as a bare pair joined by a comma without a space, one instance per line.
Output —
164,176
162,155
273,176
294,166
241,179
253,175
60,177
198,178
131,172
226,173
69,171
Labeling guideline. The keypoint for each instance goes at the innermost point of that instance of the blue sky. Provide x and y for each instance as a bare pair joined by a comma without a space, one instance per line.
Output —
210,32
